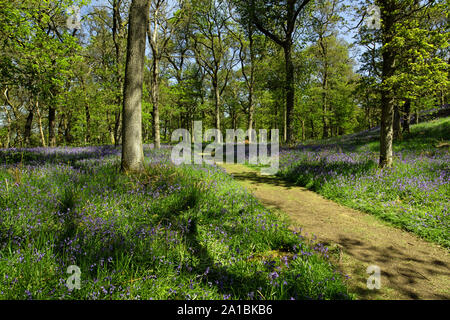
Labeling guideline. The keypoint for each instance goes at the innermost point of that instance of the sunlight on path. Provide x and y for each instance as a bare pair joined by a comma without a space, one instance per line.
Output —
411,268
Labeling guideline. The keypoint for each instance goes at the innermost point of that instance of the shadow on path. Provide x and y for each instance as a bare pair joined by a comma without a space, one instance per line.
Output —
411,268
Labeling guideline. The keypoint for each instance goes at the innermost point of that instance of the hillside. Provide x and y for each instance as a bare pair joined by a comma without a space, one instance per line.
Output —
412,195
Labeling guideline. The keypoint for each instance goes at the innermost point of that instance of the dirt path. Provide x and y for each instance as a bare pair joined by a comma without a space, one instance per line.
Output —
411,268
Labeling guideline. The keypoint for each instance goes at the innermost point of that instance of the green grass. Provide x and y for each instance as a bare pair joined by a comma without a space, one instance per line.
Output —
414,194
423,137
173,232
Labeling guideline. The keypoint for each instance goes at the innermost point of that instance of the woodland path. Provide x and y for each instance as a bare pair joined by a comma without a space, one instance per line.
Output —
411,268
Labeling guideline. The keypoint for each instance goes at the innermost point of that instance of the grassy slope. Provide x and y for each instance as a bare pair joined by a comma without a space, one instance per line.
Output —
413,195
172,233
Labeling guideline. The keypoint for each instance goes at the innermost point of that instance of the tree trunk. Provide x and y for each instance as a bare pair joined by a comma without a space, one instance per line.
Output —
217,106
41,130
324,101
368,117
250,113
116,127
87,136
61,127
303,130
116,30
27,129
51,126
155,80
251,107
407,115
68,129
397,126
132,149
285,125
290,91
387,99
110,129
155,102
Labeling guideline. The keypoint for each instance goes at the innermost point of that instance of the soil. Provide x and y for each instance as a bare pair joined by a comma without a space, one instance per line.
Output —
411,268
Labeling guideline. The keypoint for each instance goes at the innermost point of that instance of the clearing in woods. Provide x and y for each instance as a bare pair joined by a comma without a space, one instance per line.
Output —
411,268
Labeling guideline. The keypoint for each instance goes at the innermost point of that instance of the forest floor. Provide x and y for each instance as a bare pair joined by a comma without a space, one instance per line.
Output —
411,268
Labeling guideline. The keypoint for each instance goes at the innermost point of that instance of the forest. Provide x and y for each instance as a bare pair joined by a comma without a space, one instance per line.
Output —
314,72
92,92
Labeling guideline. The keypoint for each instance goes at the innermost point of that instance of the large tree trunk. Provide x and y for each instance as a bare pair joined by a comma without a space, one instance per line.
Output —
51,126
406,115
387,99
290,91
132,150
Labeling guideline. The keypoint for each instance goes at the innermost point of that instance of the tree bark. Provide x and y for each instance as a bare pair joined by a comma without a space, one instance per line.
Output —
387,99
132,149
250,113
27,129
407,115
303,129
41,130
116,128
51,126
68,129
155,83
87,136
290,91
397,126
61,127
116,30
386,132
217,106
323,46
